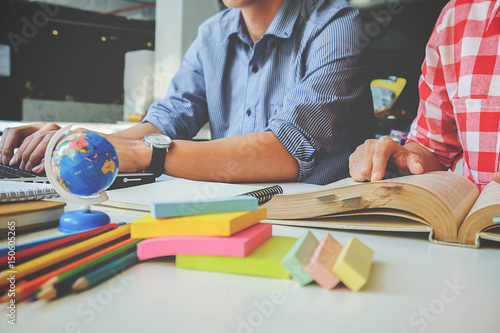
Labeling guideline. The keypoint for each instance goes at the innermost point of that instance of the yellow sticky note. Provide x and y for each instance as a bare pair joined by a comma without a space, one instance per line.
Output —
353,264
220,224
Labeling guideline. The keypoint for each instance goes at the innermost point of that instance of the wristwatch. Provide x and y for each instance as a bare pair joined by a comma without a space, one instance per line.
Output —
159,144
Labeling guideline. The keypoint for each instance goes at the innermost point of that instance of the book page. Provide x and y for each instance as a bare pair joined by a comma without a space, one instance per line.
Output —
457,192
489,196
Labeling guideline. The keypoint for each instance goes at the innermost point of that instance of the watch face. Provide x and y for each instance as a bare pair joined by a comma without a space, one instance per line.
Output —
158,140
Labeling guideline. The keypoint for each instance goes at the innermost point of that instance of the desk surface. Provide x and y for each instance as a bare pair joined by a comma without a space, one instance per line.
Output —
415,286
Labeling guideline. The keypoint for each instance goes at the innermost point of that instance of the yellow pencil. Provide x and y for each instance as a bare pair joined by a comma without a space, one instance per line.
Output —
57,256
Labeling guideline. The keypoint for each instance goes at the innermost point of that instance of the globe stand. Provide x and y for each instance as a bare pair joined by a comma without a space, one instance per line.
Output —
83,219
77,220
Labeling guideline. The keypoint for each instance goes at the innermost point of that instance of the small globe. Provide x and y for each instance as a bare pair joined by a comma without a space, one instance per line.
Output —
84,163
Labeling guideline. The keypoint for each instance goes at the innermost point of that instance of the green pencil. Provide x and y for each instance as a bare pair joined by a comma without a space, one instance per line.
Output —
61,285
105,272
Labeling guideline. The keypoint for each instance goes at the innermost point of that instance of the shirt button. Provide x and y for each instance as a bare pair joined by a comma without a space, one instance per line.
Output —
255,68
249,112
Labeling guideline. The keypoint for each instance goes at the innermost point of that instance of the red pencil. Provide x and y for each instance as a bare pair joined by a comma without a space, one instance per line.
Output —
44,248
26,288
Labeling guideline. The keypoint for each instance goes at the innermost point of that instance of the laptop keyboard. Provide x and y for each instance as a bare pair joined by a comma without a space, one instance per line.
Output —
11,172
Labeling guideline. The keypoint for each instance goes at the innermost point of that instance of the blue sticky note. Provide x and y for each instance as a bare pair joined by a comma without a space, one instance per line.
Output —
241,203
496,220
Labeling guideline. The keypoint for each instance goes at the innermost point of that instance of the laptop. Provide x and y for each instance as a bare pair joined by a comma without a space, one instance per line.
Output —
122,179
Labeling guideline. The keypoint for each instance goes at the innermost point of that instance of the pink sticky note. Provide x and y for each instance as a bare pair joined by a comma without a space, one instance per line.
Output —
238,245
321,263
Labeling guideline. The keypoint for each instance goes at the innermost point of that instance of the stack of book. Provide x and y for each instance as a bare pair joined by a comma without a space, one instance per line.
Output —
22,208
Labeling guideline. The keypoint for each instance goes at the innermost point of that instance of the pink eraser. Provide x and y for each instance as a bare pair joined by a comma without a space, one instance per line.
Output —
321,263
238,245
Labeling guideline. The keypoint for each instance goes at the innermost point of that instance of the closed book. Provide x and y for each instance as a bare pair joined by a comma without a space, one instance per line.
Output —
30,215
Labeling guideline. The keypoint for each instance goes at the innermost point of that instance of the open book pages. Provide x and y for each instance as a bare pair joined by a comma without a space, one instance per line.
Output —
440,201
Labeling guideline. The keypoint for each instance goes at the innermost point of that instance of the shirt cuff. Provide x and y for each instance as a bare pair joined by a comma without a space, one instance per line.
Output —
297,145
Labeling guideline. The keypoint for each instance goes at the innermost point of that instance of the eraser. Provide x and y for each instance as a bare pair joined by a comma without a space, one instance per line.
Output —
321,263
298,257
353,264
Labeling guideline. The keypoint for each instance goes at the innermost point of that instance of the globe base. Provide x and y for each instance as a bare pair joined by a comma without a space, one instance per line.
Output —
81,220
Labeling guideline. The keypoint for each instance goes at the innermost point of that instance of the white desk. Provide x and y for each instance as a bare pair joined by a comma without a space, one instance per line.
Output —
415,286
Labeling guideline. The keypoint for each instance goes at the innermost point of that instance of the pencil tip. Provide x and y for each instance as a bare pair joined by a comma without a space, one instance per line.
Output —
47,294
50,281
80,284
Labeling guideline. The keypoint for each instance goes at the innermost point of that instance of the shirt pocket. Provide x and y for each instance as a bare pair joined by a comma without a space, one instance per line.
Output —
478,124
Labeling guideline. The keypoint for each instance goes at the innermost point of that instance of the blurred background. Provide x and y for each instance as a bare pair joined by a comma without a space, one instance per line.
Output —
107,60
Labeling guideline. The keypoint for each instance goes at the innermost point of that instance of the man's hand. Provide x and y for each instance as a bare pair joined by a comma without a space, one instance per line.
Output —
369,160
31,141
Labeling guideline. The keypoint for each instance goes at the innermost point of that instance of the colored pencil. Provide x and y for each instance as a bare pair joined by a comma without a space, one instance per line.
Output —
60,285
91,264
105,272
27,287
54,257
28,245
46,247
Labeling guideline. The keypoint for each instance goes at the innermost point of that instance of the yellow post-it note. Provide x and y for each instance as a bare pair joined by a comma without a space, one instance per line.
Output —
220,224
353,264
264,261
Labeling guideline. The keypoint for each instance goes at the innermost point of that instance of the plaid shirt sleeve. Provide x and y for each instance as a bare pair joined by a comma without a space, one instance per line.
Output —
434,126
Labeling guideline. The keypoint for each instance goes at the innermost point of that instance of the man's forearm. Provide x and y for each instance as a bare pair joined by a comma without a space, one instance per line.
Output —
136,132
256,157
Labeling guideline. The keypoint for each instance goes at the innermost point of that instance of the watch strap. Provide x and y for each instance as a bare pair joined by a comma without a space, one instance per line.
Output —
157,166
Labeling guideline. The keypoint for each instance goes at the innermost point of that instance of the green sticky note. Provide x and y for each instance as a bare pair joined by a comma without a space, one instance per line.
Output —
298,257
264,261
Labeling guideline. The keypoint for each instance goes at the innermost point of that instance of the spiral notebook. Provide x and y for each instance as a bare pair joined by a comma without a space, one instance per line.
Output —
138,200
19,191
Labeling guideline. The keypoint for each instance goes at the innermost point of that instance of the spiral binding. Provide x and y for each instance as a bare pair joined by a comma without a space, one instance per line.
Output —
28,194
265,194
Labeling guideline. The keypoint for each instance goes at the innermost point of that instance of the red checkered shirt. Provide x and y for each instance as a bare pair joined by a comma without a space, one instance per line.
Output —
459,109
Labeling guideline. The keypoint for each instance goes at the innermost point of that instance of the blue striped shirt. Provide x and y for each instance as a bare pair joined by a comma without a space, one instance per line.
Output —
305,80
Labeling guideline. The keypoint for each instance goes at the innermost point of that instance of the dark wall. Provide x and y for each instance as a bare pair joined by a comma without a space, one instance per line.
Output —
75,64
399,33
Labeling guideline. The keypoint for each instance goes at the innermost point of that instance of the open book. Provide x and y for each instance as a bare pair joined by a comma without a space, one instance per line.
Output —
445,204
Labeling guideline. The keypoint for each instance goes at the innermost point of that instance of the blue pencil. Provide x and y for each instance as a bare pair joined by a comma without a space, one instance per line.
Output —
105,272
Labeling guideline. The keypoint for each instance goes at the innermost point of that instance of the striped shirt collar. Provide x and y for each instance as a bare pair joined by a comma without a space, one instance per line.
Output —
281,26
493,14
